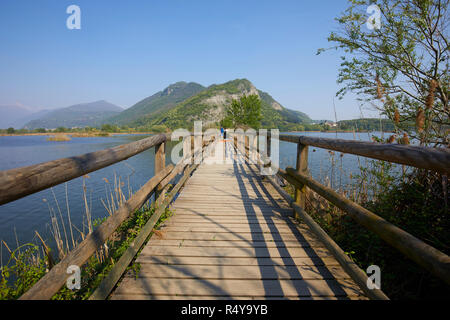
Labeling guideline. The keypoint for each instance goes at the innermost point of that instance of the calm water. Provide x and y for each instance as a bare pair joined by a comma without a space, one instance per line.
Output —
20,219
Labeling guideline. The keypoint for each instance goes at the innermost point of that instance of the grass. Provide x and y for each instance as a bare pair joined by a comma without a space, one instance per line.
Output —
59,137
89,134
31,261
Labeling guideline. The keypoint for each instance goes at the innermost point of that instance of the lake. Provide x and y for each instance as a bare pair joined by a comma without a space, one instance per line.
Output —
20,219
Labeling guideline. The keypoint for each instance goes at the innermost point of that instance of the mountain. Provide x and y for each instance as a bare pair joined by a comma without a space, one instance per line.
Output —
10,115
80,115
209,105
20,123
159,102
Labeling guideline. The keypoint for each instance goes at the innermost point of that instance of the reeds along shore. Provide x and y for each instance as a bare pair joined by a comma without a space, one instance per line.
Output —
59,137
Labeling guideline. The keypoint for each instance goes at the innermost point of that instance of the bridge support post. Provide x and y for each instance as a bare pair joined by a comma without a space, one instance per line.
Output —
160,164
301,167
187,150
268,151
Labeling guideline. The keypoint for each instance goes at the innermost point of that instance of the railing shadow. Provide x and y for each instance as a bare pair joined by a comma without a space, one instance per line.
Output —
324,272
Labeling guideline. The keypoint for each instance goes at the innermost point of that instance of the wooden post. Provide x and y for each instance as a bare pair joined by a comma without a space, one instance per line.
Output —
247,146
269,149
198,145
160,163
301,167
187,150
250,147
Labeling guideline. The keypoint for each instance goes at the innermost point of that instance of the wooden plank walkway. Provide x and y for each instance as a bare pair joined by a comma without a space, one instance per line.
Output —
232,237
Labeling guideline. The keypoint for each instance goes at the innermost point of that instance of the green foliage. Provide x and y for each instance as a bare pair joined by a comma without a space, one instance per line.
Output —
367,124
162,101
27,269
415,202
10,130
245,112
62,129
110,128
401,68
158,128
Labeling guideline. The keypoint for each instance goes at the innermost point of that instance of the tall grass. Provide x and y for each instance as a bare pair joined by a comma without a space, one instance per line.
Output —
29,262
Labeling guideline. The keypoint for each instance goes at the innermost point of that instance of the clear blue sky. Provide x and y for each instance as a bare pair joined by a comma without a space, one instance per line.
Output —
128,50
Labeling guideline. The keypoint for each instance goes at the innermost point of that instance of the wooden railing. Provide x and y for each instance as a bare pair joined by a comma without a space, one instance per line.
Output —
20,182
421,253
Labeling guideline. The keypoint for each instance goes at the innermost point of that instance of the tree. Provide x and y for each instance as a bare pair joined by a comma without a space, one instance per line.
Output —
109,128
245,112
10,130
402,67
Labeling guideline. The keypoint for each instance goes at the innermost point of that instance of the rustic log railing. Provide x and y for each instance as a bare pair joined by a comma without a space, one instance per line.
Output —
431,259
20,182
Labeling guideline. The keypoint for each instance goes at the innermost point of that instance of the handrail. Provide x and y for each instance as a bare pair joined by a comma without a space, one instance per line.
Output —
20,182
51,282
436,159
355,272
423,254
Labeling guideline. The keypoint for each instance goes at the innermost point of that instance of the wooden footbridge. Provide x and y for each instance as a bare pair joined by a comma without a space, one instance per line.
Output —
235,234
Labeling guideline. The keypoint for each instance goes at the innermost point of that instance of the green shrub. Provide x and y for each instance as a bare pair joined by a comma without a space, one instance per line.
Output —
416,203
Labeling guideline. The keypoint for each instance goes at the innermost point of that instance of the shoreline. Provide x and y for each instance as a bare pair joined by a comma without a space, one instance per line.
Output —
99,134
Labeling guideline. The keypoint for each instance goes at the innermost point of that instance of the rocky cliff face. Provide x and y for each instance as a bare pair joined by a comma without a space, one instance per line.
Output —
209,105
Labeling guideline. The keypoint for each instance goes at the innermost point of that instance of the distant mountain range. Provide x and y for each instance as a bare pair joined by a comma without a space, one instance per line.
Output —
80,115
177,106
14,116
182,103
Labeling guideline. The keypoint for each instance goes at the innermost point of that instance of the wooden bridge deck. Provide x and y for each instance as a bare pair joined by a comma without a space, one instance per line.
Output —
232,237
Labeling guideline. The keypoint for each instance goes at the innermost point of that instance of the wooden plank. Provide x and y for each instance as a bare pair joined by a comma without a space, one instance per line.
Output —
230,261
235,244
227,218
234,211
231,228
167,297
229,287
225,236
240,272
239,208
266,223
235,252
20,182
184,219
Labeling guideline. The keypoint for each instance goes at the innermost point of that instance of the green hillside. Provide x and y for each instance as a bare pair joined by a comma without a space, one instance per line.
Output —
209,106
159,102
